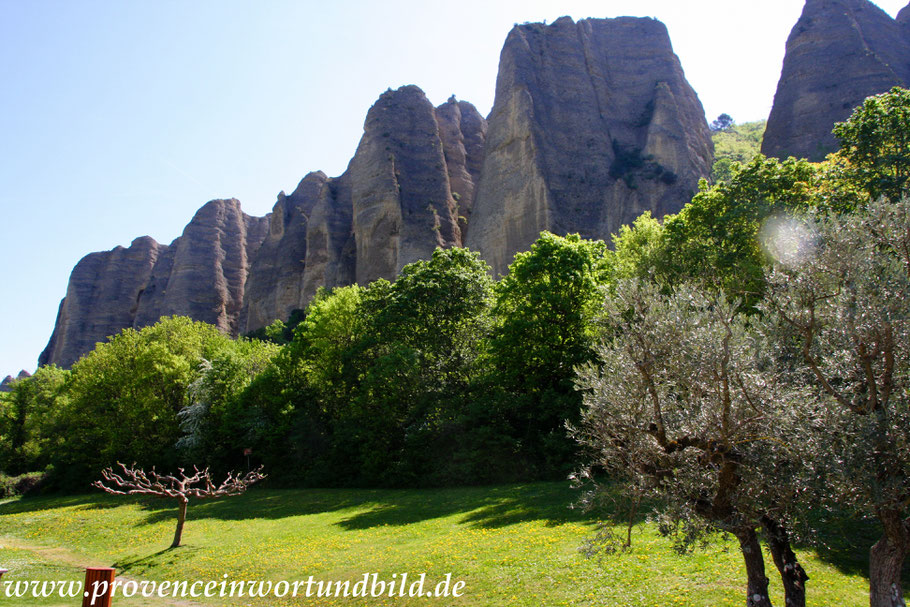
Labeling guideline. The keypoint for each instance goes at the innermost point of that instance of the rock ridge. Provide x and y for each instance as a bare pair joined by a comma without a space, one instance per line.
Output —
593,123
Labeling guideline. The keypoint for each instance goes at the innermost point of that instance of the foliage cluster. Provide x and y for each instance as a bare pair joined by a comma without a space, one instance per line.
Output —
734,143
442,377
757,370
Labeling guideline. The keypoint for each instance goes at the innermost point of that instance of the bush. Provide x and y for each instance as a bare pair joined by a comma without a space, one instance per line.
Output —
12,486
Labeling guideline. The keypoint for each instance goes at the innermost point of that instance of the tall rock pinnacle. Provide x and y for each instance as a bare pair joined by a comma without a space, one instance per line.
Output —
838,53
593,124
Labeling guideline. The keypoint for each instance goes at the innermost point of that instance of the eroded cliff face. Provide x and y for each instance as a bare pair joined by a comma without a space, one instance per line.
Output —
7,384
593,123
274,288
201,274
407,190
101,299
838,53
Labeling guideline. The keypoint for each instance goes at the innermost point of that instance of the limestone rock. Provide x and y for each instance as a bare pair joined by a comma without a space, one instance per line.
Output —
593,123
207,271
463,133
402,200
101,299
331,250
274,288
7,384
200,275
408,189
838,53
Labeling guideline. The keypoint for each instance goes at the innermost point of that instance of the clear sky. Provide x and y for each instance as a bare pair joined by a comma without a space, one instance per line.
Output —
119,119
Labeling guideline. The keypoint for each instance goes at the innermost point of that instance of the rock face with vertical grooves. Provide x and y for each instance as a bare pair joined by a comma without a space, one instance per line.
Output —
593,124
402,200
274,288
201,274
463,133
102,299
838,53
408,189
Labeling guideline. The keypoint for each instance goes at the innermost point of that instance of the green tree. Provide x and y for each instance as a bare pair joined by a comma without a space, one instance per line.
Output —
739,143
875,141
216,425
124,396
30,426
678,408
543,312
722,123
715,238
381,373
841,320
419,353
638,248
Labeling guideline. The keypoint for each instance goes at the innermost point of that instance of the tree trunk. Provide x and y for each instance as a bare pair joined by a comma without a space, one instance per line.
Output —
886,560
791,572
181,518
757,587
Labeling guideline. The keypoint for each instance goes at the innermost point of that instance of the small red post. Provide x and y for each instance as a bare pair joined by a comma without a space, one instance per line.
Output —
99,587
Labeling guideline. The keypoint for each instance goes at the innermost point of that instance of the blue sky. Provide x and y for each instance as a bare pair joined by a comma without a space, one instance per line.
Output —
120,119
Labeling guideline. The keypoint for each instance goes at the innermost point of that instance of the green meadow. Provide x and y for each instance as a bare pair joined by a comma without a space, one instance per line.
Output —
511,545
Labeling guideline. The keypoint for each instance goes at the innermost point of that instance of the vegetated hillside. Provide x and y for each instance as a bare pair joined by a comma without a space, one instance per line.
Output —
738,143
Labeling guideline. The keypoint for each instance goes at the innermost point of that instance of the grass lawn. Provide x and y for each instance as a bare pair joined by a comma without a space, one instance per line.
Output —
511,545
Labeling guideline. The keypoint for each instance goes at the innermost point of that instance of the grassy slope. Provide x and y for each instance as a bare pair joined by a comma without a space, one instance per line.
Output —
513,545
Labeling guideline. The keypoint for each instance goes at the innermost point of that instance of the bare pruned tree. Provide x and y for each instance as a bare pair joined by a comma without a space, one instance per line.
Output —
181,486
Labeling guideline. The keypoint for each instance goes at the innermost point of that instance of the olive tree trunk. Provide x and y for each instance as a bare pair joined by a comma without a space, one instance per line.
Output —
886,561
757,585
791,572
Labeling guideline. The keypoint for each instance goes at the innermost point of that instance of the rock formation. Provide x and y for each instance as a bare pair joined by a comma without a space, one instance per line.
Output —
274,288
593,123
201,274
408,189
7,384
838,53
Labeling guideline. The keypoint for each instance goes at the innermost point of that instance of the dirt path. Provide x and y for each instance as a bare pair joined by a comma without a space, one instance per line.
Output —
65,557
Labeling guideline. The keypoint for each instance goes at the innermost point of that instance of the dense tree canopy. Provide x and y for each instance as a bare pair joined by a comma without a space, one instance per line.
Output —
875,142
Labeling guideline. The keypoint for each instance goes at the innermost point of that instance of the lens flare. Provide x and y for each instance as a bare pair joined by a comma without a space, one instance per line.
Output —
788,241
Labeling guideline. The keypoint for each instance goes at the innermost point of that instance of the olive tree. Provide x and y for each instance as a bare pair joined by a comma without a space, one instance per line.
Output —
840,301
680,407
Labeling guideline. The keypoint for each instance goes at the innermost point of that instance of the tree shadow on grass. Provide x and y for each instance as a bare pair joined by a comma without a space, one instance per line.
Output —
166,556
490,507
480,506
44,502
844,540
